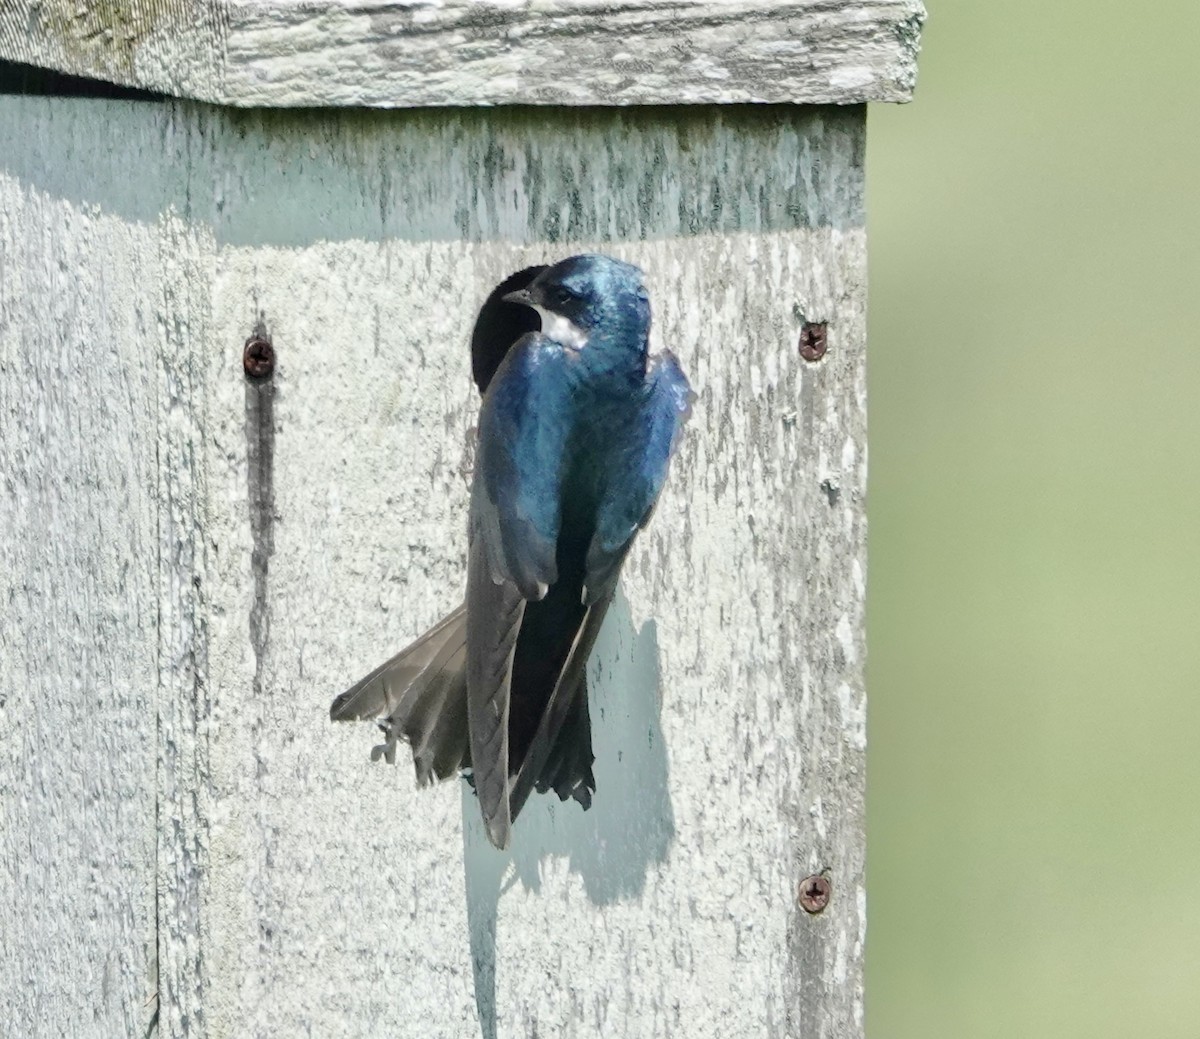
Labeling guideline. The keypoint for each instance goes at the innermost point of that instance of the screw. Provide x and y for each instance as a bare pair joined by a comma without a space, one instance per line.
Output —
258,357
813,340
814,893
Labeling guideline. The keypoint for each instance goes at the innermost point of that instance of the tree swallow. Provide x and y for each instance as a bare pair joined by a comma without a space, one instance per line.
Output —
576,430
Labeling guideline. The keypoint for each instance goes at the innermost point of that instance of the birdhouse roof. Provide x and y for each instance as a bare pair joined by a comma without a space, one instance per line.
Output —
417,53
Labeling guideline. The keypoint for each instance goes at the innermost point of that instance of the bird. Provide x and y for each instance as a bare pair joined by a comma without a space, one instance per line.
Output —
577,426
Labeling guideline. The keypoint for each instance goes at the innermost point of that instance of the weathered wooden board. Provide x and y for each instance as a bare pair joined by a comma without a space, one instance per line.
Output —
276,540
80,647
397,53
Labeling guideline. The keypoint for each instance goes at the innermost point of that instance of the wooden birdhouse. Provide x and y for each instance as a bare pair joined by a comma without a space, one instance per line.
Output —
243,244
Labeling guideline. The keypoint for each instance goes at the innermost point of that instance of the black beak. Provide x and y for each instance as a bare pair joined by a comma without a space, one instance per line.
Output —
521,296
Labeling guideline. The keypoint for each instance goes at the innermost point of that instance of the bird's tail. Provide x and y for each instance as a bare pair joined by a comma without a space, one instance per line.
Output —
420,696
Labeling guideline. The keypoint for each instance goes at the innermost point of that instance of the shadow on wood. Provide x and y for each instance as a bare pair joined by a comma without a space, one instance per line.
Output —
630,826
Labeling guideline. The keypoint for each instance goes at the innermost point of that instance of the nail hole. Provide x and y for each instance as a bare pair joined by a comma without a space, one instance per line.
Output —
813,340
258,357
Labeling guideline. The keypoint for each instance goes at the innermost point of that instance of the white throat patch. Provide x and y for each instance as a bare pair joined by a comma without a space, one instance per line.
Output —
562,329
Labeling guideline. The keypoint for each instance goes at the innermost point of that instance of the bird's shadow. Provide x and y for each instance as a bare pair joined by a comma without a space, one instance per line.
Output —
630,825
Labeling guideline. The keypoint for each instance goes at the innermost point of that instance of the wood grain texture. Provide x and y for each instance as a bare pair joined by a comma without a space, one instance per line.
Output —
283,538
79,644
399,53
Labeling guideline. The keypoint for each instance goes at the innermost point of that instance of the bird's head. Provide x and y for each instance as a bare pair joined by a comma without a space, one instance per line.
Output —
589,297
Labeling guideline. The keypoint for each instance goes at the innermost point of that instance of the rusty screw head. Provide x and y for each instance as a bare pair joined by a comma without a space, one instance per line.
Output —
258,357
814,893
813,340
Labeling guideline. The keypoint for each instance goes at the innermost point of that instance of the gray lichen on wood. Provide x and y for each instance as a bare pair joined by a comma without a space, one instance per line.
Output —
395,53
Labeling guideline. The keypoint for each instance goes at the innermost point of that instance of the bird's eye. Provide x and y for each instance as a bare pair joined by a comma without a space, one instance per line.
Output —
563,296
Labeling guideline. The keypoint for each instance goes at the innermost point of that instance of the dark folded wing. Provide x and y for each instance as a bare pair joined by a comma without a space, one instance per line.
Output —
631,495
514,526
494,611
568,768
625,508
516,492
569,686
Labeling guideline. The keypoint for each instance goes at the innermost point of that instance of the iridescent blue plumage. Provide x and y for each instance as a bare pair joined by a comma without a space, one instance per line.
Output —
576,430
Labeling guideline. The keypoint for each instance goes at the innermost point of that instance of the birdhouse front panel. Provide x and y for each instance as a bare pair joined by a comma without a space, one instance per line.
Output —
241,420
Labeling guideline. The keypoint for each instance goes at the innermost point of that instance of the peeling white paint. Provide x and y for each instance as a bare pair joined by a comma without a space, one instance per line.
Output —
847,638
849,454
859,577
854,716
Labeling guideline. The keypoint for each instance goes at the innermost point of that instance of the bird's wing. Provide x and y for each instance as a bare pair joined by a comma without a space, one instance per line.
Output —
494,612
516,494
631,492
632,489
568,686
514,524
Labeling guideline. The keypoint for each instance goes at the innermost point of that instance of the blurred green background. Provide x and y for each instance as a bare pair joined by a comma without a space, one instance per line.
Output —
1034,619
